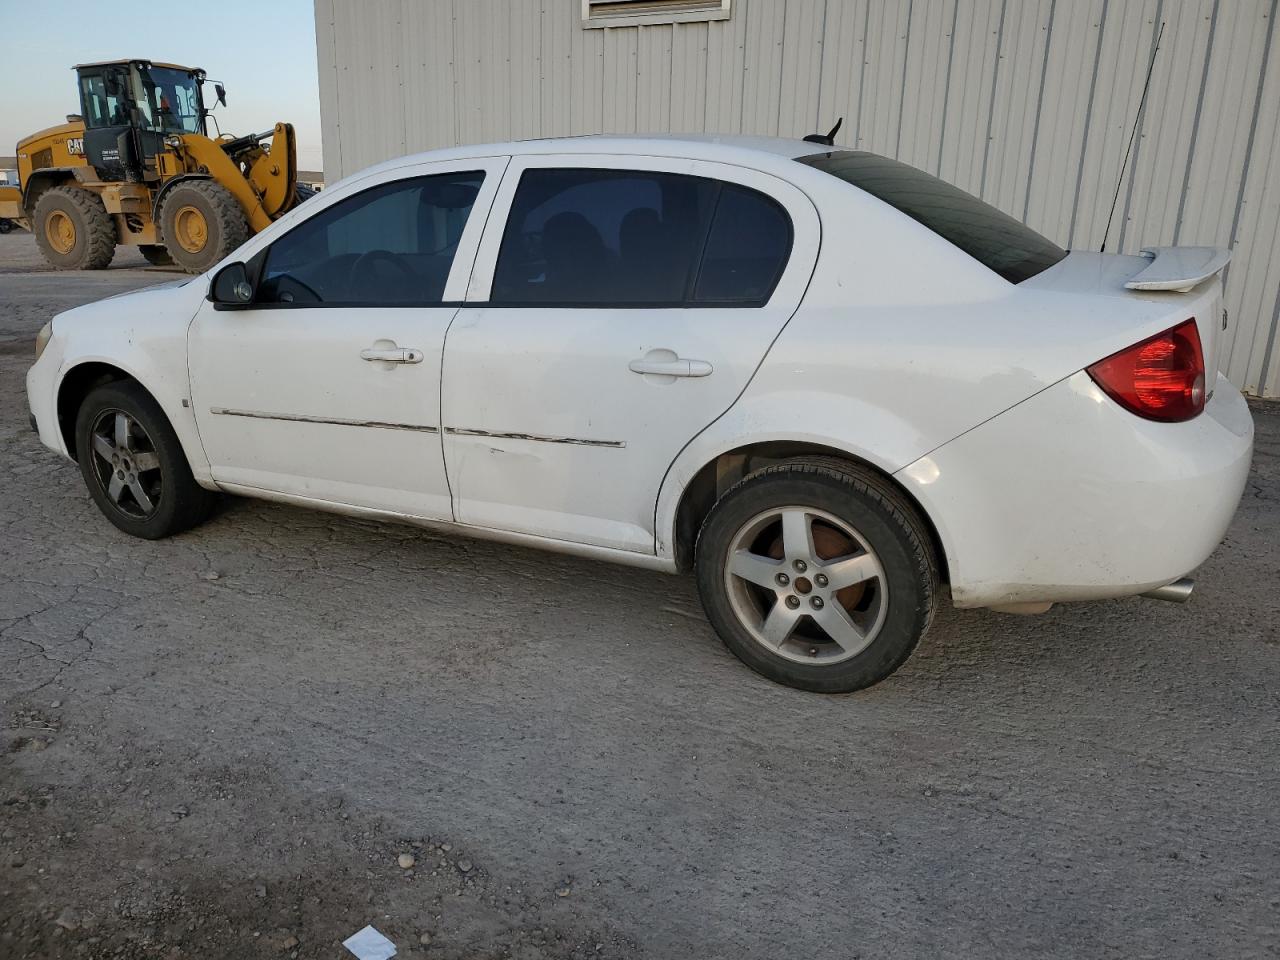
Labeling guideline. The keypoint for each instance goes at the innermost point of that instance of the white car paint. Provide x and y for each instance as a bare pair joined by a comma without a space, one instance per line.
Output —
1179,268
330,452
892,347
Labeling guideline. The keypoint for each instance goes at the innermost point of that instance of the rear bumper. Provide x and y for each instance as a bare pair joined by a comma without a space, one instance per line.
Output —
1069,497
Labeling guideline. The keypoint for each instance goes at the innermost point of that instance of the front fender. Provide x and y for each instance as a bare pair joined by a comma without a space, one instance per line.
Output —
143,334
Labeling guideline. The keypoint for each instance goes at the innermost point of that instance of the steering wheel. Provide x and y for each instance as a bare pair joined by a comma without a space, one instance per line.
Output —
363,270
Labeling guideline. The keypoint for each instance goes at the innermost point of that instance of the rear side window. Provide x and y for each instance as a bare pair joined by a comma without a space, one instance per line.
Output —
746,250
990,236
390,245
591,237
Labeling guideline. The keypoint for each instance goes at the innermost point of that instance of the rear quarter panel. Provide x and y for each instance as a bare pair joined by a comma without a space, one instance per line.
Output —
903,343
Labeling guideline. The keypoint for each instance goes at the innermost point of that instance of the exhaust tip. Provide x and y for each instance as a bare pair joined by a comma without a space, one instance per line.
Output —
1177,592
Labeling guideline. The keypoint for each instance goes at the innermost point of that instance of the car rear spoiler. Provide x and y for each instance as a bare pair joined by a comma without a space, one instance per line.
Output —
1178,268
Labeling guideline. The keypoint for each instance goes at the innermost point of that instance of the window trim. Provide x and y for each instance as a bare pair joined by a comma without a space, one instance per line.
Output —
650,12
689,301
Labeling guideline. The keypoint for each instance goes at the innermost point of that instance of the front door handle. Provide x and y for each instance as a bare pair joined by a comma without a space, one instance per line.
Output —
669,365
392,354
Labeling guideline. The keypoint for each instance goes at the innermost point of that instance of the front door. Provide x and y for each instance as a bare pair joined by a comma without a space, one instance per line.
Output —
110,143
327,387
619,305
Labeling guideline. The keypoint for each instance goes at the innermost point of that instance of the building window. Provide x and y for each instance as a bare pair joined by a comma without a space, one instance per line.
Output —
632,13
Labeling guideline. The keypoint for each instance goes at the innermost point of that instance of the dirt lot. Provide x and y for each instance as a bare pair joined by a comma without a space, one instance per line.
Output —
219,745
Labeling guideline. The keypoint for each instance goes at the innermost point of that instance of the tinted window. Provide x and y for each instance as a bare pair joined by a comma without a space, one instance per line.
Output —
746,250
991,237
392,244
603,236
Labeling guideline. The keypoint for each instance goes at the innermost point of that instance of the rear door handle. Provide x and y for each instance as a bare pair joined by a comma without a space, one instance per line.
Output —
671,368
392,354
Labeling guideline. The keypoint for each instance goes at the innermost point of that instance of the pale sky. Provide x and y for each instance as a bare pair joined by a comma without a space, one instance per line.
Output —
264,51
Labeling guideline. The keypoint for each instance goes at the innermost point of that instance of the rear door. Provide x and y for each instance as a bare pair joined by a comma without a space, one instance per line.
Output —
619,305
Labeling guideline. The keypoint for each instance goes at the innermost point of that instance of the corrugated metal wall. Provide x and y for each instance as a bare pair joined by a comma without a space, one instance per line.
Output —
1027,103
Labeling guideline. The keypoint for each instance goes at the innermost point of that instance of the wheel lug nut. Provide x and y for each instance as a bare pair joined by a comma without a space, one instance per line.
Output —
800,566
821,580
816,603
783,579
793,602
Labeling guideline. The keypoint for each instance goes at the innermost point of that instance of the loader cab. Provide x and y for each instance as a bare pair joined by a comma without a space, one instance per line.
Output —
129,107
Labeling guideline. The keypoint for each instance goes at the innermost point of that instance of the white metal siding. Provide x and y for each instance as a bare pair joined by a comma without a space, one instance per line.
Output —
1027,103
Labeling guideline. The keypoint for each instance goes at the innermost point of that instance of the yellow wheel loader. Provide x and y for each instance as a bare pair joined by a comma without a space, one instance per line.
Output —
136,166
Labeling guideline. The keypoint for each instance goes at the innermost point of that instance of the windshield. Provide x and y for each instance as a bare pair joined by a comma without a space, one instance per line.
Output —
994,239
169,100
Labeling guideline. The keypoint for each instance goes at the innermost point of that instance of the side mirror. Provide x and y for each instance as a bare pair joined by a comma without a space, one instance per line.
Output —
221,93
231,288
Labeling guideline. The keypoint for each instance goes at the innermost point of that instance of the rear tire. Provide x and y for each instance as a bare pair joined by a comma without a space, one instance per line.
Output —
201,223
156,255
818,574
73,229
134,465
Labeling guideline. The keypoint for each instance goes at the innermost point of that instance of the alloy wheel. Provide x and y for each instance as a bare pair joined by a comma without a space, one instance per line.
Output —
806,585
126,464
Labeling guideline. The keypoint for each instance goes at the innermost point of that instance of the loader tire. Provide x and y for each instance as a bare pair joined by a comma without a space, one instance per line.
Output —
201,223
73,229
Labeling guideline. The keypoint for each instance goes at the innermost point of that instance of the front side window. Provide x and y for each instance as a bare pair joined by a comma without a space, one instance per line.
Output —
169,100
993,238
584,237
390,245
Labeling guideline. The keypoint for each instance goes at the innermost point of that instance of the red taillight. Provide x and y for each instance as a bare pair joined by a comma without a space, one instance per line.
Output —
1161,378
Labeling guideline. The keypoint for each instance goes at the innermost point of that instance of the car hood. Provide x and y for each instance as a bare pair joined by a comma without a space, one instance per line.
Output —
149,308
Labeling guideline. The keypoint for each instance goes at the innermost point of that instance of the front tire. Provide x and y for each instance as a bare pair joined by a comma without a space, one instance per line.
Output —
818,574
201,223
134,465
73,229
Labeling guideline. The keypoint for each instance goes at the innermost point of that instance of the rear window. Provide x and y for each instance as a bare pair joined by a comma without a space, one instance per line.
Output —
994,239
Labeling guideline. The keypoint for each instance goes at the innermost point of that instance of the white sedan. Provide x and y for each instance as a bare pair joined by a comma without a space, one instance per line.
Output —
826,382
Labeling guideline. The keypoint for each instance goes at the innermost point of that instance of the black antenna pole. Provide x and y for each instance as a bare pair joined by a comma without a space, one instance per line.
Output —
1137,117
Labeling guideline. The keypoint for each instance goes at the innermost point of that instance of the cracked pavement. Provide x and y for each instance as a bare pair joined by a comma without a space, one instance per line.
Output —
219,744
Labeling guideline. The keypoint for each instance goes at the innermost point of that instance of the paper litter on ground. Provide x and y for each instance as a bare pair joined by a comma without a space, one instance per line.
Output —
369,944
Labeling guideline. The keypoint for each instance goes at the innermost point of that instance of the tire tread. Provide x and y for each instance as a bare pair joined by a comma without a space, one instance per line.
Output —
230,228
100,230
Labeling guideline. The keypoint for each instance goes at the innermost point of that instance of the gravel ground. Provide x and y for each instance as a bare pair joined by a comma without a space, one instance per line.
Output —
226,744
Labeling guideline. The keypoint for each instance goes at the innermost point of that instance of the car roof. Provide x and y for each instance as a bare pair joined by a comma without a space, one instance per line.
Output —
726,149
